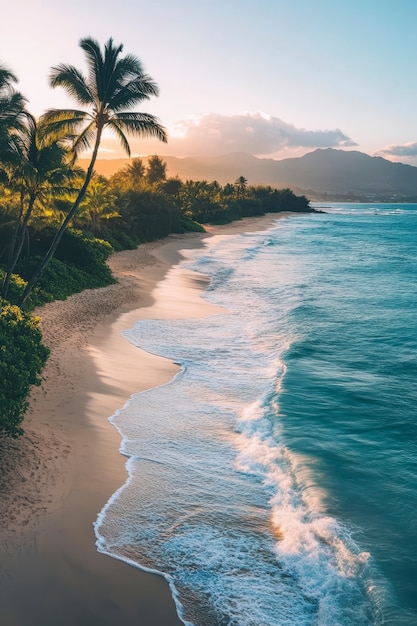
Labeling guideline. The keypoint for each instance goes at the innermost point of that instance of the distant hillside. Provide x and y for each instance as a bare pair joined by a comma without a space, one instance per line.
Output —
346,173
322,174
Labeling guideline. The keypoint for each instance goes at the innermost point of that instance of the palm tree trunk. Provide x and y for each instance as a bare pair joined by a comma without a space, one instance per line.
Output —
15,254
6,279
58,236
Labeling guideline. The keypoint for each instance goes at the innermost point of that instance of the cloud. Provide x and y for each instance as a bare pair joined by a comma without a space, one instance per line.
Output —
407,150
402,153
253,133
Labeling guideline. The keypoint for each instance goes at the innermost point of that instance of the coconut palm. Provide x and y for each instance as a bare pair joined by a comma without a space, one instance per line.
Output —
99,204
38,173
241,184
12,112
112,86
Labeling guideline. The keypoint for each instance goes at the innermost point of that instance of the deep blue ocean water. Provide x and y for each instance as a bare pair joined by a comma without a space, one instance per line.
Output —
274,480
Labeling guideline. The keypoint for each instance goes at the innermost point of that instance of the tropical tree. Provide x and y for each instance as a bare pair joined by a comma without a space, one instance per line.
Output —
131,176
228,190
39,173
240,185
99,203
171,188
201,200
12,112
112,86
156,171
135,172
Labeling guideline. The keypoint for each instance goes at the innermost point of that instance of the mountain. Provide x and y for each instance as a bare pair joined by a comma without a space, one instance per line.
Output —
322,174
350,173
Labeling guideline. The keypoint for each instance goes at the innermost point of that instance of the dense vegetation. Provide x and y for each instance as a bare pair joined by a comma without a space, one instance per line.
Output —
22,358
59,224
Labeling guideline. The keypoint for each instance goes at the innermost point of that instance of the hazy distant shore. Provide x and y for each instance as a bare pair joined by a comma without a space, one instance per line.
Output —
55,480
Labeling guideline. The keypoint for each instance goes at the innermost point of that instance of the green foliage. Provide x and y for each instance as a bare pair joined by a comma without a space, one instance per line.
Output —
82,265
210,203
110,85
190,226
85,252
12,114
22,359
277,200
156,170
16,288
172,187
150,214
135,173
61,279
77,248
118,239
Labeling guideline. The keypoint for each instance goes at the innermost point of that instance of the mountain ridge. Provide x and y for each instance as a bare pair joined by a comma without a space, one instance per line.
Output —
325,173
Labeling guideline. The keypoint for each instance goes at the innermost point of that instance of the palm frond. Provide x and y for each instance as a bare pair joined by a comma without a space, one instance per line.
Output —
129,66
62,123
52,157
133,92
110,73
127,69
11,104
12,112
84,139
100,68
120,72
141,124
6,76
95,65
52,116
74,83
117,129
16,143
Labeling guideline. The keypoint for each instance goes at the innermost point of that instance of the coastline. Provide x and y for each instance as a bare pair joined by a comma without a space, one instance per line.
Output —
57,478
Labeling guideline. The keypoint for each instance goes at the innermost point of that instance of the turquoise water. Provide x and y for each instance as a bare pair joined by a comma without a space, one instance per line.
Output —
274,480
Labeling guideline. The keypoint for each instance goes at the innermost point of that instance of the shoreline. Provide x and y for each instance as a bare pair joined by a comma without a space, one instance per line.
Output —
57,478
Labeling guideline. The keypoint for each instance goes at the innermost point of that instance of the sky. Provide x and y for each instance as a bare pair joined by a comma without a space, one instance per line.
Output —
273,78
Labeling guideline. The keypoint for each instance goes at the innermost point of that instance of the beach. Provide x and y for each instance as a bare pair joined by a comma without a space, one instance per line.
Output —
55,480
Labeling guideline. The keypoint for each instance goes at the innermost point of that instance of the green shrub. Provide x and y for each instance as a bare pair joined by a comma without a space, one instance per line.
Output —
118,239
16,287
22,359
61,280
77,248
189,225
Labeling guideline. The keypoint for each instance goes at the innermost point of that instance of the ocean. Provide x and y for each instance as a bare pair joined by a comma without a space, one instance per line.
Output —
273,481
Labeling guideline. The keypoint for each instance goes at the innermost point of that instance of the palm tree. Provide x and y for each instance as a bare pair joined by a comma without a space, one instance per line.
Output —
99,204
112,85
156,172
136,172
38,173
12,112
240,184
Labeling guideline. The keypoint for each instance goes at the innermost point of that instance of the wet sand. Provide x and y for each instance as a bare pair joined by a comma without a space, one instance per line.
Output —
56,479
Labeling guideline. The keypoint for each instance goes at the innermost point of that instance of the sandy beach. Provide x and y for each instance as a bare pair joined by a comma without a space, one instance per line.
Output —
58,476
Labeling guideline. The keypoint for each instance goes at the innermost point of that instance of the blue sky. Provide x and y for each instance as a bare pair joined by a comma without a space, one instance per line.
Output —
274,78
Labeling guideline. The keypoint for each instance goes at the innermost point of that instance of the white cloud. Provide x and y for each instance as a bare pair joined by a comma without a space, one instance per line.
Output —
407,149
403,153
254,133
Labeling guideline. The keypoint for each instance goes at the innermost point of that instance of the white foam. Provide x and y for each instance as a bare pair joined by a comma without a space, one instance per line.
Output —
215,501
